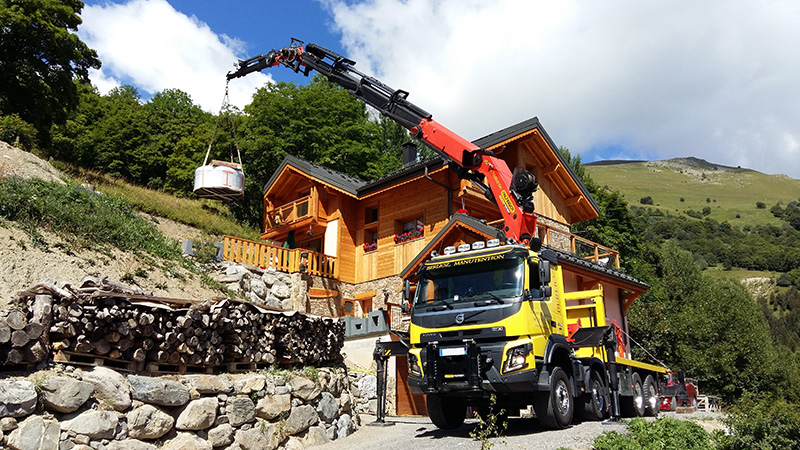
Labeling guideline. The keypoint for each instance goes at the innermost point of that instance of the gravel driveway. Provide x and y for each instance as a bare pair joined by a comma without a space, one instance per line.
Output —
418,433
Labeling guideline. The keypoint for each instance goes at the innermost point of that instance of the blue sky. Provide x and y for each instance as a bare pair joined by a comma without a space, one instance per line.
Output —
620,79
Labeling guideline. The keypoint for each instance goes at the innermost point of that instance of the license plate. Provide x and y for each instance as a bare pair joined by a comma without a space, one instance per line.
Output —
457,351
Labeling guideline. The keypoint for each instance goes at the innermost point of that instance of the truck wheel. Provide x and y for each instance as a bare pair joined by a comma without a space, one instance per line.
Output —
650,396
595,402
446,413
554,409
633,405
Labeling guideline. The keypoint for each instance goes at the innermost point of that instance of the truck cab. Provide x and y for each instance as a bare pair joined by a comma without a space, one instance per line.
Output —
497,321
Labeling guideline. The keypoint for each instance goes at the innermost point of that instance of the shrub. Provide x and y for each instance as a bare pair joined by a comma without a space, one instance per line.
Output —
17,132
646,200
763,424
761,205
706,210
663,434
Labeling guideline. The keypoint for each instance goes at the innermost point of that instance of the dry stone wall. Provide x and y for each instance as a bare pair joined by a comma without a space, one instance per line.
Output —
98,408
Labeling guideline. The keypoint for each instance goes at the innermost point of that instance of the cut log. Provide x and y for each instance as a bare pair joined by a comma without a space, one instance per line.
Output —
16,320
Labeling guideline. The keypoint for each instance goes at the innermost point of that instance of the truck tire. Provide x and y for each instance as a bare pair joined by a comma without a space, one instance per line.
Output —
555,408
650,396
633,405
447,413
595,401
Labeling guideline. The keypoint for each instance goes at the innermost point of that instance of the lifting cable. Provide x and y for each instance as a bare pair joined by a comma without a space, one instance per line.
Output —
226,105
643,349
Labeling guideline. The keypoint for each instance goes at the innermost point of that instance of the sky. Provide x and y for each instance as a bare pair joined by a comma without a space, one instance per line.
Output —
619,79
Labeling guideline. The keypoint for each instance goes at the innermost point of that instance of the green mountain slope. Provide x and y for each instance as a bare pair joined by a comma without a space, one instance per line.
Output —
681,184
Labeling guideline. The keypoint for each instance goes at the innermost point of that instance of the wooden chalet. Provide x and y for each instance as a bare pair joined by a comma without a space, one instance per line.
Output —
331,225
361,237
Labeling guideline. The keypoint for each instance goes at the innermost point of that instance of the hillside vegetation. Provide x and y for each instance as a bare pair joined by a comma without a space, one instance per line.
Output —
683,184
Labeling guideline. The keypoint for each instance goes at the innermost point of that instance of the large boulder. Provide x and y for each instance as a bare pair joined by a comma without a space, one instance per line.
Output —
92,423
273,406
240,410
109,387
35,433
157,391
344,426
64,394
327,407
221,435
300,419
148,422
129,444
304,388
368,387
198,414
262,437
210,384
186,441
17,398
249,384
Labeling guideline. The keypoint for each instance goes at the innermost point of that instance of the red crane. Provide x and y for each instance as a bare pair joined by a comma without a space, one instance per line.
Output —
512,192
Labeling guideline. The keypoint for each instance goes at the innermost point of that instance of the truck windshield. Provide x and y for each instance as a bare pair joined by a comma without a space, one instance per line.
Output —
485,281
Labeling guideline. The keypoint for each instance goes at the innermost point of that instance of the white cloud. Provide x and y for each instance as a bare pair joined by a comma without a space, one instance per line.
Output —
660,79
147,43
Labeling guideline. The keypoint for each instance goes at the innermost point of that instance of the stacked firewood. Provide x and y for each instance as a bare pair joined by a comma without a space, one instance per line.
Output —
108,321
23,332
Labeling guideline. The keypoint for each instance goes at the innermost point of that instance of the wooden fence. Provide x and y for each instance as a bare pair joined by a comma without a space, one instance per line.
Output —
288,260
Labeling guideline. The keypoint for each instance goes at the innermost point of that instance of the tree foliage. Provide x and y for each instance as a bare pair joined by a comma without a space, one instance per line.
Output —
41,57
318,122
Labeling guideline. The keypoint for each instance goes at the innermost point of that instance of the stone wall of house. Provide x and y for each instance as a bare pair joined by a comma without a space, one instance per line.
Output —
67,408
558,241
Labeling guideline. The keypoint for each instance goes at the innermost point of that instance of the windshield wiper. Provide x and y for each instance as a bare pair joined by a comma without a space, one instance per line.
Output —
445,305
495,299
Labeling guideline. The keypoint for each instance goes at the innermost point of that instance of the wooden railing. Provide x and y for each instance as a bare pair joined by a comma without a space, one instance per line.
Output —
290,212
582,247
288,260
568,242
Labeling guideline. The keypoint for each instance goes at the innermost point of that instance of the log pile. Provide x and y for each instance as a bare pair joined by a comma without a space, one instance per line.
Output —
23,332
115,322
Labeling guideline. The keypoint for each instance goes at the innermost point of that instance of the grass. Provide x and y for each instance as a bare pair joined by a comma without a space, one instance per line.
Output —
82,217
210,216
727,191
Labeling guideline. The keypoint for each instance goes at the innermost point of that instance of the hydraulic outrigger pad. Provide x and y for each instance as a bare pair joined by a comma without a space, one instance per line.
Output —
383,351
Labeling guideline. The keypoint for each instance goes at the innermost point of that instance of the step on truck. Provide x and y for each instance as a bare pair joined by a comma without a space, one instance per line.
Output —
502,321
540,337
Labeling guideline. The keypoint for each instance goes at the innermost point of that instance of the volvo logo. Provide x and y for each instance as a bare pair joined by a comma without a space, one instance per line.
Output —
460,318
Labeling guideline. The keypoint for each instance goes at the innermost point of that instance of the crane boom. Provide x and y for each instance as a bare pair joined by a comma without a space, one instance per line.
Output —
512,192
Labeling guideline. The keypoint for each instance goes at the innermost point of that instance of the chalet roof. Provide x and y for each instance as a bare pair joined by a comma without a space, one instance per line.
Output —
326,175
357,188
479,226
524,128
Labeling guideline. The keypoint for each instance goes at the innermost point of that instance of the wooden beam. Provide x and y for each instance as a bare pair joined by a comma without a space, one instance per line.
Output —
322,293
629,299
572,201
364,295
550,170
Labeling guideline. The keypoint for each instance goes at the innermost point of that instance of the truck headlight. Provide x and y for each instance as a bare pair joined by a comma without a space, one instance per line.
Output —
413,366
516,358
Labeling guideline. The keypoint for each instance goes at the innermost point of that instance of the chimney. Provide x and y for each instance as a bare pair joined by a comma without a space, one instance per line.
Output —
409,154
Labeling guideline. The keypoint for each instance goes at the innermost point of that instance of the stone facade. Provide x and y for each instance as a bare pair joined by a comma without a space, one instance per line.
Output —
265,410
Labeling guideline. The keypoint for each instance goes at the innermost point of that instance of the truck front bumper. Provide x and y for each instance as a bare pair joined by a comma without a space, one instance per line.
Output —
469,369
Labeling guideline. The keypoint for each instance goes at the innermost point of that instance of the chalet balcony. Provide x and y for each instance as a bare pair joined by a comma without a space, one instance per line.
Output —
291,213
288,260
572,243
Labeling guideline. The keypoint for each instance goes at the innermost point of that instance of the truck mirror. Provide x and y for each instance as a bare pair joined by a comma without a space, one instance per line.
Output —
545,291
406,295
544,272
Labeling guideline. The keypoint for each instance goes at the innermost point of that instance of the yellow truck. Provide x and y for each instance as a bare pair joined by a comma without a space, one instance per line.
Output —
506,321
